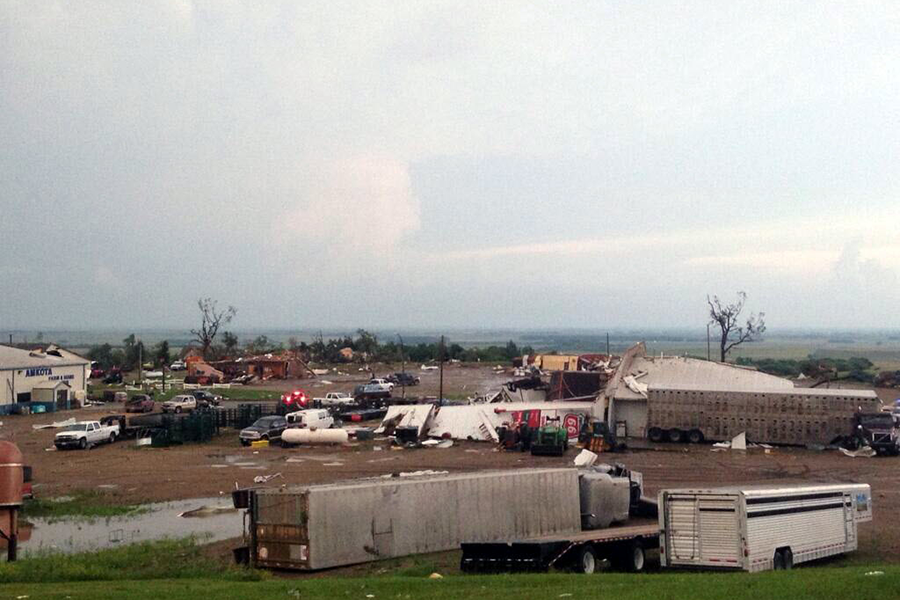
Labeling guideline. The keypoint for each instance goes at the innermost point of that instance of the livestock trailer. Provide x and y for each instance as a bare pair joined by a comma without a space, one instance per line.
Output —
322,526
760,528
799,416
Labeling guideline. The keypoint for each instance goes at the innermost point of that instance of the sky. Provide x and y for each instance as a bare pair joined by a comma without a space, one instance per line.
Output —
448,164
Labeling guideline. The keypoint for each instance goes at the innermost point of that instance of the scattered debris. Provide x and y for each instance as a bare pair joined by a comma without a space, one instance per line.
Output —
56,424
439,576
266,478
864,452
585,459
207,511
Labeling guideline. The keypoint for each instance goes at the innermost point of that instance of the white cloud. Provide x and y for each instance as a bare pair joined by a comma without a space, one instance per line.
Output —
346,207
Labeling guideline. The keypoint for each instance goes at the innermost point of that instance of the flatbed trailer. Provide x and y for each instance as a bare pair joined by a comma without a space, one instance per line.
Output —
624,545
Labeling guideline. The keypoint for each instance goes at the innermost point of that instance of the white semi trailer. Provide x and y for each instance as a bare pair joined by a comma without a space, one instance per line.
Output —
759,528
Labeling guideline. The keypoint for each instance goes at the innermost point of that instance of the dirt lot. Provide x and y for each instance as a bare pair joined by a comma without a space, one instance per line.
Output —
132,475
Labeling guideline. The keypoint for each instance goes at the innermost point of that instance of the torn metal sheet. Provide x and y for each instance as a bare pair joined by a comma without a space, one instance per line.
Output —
56,424
472,422
415,415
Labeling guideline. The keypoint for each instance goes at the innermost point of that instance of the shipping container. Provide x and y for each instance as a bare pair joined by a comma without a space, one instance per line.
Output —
761,527
322,526
800,416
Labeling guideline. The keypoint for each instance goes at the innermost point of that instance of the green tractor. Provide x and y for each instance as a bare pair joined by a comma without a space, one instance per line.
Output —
550,440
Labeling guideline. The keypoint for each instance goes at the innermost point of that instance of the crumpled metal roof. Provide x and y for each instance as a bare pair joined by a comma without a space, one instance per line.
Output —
671,371
16,358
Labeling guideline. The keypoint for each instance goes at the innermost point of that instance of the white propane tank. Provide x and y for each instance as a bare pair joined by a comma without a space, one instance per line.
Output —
294,435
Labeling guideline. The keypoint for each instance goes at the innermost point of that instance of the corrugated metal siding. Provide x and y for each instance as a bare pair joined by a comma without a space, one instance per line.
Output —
366,521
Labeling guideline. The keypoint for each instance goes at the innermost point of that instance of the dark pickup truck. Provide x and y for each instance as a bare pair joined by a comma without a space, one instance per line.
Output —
878,430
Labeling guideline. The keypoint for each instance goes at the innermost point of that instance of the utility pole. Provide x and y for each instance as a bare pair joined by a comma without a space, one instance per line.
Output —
441,388
140,363
402,362
607,347
708,350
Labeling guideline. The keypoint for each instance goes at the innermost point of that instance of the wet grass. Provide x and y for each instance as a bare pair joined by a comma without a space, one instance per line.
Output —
87,505
800,584
164,559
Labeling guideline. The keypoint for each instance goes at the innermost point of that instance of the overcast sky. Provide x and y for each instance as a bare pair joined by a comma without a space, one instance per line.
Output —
431,164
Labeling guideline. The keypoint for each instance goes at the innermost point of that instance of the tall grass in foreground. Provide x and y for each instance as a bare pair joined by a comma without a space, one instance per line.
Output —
164,559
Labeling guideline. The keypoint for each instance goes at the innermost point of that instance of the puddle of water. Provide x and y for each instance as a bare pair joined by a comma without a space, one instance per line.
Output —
219,521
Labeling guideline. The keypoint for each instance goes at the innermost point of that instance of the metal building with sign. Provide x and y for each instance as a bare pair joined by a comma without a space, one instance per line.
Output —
49,379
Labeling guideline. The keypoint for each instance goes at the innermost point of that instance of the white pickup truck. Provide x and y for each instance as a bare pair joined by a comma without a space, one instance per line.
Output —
84,434
379,385
334,398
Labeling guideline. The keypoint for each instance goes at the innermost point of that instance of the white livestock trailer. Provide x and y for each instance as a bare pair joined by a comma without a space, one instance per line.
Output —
756,528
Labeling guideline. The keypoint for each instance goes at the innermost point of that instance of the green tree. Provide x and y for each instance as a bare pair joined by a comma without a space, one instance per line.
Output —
229,343
162,354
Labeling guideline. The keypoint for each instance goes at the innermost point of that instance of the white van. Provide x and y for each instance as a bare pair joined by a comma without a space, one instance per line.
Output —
317,418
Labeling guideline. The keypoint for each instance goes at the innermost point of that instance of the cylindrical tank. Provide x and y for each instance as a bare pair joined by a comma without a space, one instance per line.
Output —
11,475
295,435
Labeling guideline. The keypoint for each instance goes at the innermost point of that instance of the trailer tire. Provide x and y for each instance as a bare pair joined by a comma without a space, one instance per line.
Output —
676,436
630,557
778,561
656,434
788,558
586,560
695,436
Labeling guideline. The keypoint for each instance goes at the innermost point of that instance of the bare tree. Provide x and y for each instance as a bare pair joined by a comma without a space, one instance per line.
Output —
211,320
726,317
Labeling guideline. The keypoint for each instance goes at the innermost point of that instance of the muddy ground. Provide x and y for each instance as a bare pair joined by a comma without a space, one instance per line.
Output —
124,473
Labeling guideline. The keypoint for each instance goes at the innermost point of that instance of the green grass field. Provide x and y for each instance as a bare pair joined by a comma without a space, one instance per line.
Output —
176,569
800,584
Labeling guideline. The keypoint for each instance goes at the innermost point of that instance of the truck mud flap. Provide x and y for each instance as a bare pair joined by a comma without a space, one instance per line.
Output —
501,557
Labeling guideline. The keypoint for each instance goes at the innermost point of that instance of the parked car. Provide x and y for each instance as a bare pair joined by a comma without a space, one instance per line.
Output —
314,417
178,365
266,428
140,403
85,433
403,379
205,398
334,399
179,404
113,376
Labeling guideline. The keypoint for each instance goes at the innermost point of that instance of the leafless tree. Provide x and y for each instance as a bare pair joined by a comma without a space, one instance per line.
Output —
726,316
211,320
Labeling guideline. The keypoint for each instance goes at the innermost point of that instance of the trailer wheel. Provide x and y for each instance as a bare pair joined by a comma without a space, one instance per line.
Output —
676,436
656,434
695,436
630,557
587,560
778,561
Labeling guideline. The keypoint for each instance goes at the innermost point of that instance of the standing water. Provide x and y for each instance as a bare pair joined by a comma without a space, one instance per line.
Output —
210,519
